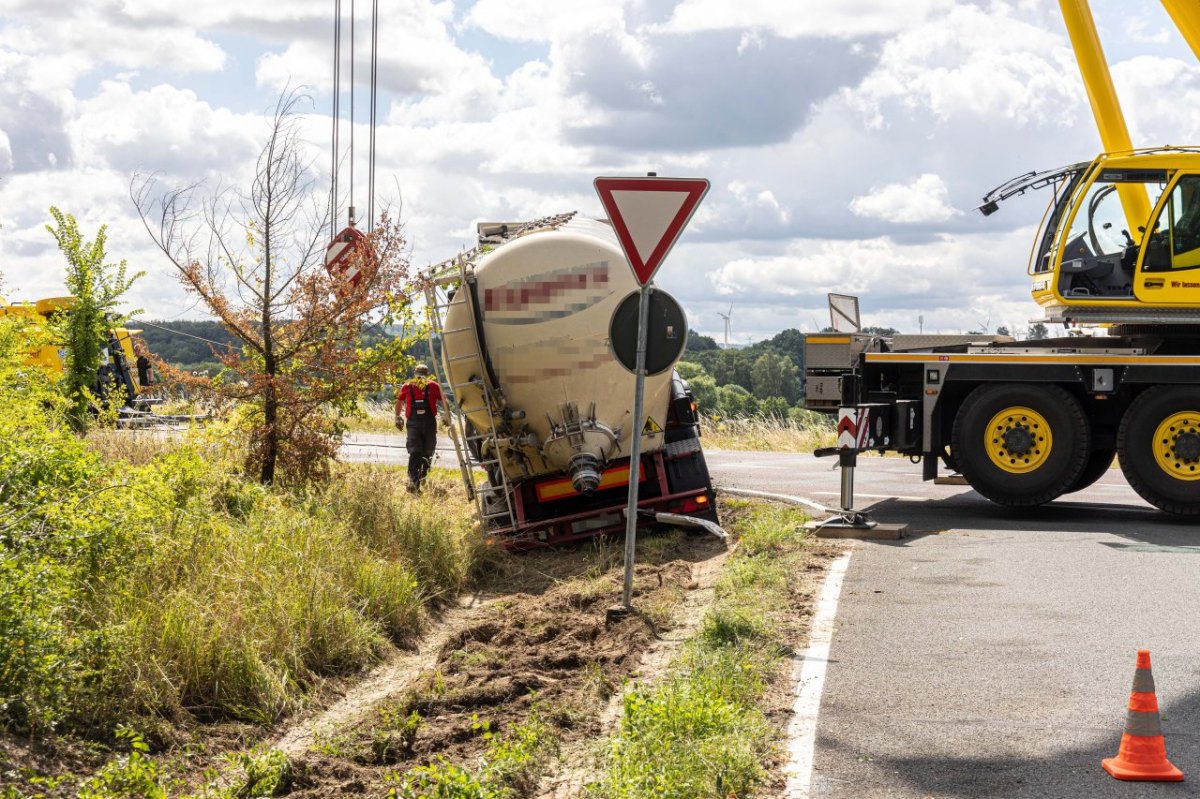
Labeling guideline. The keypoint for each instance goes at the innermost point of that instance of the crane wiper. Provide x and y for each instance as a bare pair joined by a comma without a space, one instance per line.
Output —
1027,182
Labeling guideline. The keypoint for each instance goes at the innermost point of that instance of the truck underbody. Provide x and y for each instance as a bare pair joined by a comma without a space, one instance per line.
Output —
1025,422
549,510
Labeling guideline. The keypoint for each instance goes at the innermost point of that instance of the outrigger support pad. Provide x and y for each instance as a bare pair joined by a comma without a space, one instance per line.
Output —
845,517
846,522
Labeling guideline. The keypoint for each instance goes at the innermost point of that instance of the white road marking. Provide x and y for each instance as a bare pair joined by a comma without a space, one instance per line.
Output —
746,492
808,671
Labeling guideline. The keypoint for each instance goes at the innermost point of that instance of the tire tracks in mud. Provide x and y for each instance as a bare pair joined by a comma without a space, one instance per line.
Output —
385,681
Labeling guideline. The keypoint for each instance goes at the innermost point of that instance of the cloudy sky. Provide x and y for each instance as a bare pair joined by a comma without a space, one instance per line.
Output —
847,141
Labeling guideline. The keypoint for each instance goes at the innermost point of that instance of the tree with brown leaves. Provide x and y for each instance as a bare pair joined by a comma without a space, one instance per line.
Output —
256,259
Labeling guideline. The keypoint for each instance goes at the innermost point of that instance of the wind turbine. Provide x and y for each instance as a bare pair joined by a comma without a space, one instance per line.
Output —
726,316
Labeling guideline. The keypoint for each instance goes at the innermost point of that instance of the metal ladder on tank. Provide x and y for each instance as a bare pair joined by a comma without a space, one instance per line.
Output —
493,503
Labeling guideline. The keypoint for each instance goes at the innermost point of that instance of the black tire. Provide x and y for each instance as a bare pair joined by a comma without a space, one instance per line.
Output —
1165,483
1097,466
1055,468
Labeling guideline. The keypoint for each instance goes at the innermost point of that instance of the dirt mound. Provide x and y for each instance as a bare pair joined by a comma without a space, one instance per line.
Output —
550,649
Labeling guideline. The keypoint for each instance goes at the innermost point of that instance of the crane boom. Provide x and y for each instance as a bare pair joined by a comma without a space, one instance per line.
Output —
1110,121
1186,16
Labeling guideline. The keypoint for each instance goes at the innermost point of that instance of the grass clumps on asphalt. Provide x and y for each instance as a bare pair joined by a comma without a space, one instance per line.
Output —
701,732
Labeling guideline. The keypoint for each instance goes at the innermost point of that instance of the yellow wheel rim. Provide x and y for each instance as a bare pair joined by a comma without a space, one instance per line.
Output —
1018,440
1177,445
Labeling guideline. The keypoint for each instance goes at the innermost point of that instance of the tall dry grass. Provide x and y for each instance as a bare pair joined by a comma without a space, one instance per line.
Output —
250,597
168,584
769,434
373,416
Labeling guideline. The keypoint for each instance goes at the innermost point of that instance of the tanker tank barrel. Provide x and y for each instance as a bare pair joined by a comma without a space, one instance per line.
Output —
551,424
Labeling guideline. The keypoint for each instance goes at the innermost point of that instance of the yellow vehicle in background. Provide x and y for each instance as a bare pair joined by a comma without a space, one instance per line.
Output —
122,367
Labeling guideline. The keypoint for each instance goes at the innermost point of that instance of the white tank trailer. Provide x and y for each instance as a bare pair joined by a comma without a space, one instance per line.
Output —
545,408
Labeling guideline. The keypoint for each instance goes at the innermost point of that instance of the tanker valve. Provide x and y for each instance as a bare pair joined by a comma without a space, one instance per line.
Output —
585,473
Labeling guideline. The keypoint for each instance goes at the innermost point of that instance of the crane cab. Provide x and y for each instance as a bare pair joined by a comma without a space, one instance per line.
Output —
1099,258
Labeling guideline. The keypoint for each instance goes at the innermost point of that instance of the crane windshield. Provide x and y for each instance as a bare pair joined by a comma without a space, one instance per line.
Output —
1099,226
1097,219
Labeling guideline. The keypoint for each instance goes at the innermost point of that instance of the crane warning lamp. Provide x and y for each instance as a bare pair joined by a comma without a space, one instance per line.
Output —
347,254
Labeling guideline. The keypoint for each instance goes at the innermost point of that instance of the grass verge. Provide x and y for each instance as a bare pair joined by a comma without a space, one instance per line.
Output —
702,731
168,587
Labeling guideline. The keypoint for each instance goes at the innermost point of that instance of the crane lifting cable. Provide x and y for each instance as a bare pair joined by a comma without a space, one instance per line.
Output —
374,104
347,247
336,116
349,159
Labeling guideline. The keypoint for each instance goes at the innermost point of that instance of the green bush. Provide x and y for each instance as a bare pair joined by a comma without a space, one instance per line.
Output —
180,588
131,776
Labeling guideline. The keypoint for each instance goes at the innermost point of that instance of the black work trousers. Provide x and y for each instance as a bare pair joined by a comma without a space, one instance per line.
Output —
421,443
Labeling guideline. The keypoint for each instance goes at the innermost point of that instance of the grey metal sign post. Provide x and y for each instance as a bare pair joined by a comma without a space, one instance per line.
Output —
647,214
635,447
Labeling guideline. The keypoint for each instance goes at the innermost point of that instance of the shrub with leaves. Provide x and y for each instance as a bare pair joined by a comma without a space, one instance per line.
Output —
97,288
183,589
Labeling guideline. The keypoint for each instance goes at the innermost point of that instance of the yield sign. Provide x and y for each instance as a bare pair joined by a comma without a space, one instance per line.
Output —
648,214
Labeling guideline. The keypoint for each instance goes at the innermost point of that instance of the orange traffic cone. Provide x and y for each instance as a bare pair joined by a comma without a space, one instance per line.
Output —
1143,755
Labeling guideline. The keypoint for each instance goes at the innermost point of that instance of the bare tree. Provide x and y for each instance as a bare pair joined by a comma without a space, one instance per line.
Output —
255,258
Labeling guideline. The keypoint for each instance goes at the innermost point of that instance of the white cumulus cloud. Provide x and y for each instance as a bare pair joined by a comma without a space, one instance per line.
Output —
841,18
923,200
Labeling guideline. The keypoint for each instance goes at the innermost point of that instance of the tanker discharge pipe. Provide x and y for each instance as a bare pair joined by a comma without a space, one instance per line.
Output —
585,473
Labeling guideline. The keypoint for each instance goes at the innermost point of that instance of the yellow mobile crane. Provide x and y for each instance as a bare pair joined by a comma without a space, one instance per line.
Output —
1025,422
123,366
1120,243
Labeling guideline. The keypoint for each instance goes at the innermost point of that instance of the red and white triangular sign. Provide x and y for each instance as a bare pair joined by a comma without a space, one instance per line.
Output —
648,214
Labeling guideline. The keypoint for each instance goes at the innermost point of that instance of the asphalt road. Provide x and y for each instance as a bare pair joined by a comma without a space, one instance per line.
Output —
991,653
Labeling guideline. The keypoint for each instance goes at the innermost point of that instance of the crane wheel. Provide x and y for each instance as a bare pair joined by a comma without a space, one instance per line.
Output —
1159,447
1097,466
1021,445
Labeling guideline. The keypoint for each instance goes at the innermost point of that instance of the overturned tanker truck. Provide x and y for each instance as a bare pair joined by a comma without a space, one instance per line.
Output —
541,407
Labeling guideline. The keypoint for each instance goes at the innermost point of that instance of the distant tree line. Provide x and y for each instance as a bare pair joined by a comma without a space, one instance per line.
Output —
764,378
197,344
186,344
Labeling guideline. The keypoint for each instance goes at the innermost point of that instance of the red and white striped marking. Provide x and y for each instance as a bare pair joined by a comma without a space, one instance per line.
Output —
847,428
864,427
343,256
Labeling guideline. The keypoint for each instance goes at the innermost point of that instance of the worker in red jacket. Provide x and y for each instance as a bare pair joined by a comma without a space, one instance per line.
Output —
417,406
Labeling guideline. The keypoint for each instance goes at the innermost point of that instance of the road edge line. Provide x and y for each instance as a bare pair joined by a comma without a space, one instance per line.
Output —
749,492
808,675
